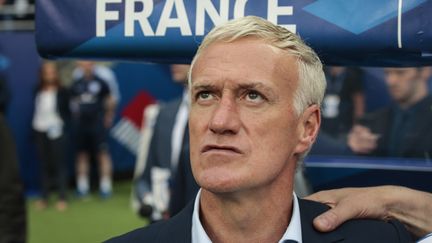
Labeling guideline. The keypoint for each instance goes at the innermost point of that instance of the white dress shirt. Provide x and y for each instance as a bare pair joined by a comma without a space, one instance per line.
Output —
46,118
293,232
426,239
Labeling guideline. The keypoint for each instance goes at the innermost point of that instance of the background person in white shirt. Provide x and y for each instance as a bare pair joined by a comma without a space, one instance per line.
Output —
49,121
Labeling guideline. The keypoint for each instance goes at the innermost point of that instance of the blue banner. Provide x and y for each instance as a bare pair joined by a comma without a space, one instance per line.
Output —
343,32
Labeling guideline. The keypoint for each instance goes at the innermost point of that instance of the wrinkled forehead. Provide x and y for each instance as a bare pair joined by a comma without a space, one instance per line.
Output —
247,56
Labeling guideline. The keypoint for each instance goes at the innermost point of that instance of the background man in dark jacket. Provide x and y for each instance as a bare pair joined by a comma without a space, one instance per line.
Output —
402,129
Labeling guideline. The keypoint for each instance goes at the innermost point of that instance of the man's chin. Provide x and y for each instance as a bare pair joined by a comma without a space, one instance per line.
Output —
218,186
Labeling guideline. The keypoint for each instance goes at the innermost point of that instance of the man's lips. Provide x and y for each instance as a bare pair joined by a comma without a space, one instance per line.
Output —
212,147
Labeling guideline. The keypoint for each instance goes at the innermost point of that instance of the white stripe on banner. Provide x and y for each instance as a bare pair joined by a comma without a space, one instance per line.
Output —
399,25
127,134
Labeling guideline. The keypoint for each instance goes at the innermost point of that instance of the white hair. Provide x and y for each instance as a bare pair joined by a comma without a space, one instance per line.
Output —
311,85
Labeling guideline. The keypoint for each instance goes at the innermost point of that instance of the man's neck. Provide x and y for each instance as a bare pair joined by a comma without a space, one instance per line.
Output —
258,216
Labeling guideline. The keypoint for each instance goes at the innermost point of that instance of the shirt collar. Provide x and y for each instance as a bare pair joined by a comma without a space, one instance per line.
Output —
293,232
198,233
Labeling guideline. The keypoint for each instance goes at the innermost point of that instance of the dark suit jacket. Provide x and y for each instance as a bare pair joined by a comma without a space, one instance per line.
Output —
183,187
417,142
178,229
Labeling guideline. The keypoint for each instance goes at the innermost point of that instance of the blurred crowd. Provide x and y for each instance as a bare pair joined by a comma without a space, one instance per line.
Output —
78,117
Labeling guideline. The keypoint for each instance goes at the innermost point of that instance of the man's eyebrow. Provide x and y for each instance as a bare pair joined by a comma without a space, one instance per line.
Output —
203,87
256,85
245,86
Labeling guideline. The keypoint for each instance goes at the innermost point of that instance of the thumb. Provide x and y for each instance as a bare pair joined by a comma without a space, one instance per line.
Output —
334,217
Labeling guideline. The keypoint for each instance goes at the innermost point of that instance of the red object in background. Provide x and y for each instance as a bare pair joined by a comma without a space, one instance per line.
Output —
135,109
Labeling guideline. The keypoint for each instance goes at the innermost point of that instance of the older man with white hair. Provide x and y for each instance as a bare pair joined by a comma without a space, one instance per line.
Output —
256,91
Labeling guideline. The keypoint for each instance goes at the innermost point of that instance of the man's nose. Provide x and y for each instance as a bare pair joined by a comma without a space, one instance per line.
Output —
225,118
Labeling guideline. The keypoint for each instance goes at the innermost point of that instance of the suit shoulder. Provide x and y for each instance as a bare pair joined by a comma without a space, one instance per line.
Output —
353,231
371,230
177,227
144,234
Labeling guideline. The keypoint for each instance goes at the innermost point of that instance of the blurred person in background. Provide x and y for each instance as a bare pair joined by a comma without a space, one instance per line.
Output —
403,128
169,145
343,101
343,105
104,73
93,112
49,123
13,226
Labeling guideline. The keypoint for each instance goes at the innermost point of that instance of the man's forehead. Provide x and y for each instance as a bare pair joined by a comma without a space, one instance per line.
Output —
245,62
246,51
244,42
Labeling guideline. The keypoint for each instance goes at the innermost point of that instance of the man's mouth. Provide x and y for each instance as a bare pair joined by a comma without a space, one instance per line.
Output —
220,148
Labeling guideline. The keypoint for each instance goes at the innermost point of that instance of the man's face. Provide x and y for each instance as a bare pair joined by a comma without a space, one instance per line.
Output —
402,83
179,72
87,67
49,72
243,128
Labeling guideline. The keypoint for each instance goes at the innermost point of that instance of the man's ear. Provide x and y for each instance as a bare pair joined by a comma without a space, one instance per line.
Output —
309,123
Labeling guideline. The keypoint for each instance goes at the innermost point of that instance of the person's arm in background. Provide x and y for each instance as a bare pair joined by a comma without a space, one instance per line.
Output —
359,105
110,79
411,207
110,105
355,79
361,140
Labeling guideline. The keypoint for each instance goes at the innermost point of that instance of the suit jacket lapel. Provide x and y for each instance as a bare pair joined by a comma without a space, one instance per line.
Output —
179,228
308,211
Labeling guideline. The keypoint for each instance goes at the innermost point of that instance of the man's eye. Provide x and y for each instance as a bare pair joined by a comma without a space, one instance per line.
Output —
254,96
204,95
